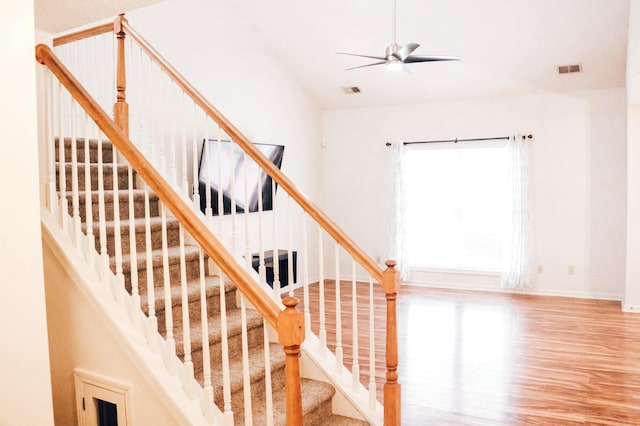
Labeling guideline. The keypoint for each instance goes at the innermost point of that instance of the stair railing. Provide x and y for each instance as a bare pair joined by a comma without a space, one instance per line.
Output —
163,135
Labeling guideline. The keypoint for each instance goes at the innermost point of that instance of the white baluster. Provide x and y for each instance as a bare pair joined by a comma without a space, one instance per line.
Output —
220,200
224,340
116,222
234,227
75,198
186,328
102,222
51,138
290,247
322,334
262,273
247,248
194,161
372,350
152,325
170,346
206,355
246,374
88,202
173,176
267,374
274,254
208,167
183,145
305,271
62,167
133,252
355,369
339,351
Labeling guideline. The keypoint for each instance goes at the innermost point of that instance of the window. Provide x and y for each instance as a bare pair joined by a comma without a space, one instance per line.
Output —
457,206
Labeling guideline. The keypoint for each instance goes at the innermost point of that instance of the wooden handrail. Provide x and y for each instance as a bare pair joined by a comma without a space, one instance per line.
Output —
276,174
182,211
82,34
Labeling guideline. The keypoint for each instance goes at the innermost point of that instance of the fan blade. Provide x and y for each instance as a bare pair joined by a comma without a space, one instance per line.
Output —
411,59
380,58
368,65
405,51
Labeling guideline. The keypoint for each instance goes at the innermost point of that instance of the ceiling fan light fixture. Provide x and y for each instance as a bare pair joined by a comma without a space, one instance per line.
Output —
394,66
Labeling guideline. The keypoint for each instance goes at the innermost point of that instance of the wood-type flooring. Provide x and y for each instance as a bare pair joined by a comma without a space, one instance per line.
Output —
490,359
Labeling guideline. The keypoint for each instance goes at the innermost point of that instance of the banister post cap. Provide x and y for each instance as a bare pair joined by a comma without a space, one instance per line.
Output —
290,323
390,278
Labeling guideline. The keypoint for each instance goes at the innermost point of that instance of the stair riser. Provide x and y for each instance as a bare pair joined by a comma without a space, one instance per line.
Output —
123,207
173,238
107,173
213,309
191,266
107,151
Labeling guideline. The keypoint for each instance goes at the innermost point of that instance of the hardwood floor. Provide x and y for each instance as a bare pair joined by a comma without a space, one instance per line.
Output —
484,358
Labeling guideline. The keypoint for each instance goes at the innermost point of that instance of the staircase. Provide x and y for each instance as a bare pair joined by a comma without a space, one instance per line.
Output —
164,237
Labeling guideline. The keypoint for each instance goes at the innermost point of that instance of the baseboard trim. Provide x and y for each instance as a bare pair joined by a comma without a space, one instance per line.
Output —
530,291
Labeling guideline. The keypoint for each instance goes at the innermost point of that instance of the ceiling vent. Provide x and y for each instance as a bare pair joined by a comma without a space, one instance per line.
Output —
569,69
351,89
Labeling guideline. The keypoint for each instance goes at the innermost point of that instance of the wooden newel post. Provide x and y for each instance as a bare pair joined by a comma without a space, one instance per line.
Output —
291,336
391,286
121,108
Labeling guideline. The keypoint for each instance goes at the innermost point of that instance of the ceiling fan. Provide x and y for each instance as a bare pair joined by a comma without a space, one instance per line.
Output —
397,56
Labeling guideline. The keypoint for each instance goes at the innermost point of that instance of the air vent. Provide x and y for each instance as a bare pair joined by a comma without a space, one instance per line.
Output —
351,89
568,69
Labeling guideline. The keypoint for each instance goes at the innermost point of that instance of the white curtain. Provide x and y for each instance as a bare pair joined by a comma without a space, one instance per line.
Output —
517,269
397,241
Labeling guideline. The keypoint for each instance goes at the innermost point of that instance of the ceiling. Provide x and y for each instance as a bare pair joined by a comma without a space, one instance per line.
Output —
508,47
55,16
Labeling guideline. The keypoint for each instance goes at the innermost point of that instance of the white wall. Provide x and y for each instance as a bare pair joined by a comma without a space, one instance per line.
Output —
25,389
80,337
579,156
632,290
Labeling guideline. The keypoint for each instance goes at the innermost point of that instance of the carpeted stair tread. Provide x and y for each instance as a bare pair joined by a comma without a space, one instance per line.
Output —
234,328
316,404
191,252
211,285
256,371
107,150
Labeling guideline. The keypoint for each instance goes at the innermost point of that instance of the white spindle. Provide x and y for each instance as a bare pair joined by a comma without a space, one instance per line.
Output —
322,334
102,221
224,340
173,176
116,220
305,277
290,247
62,167
246,374
355,369
170,341
51,138
186,328
183,145
220,194
208,167
339,351
133,252
234,224
267,374
75,198
163,130
274,253
194,160
261,267
88,202
206,355
152,325
247,248
372,350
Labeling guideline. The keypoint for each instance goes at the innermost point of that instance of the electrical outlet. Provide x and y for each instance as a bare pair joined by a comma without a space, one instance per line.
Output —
540,269
571,270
